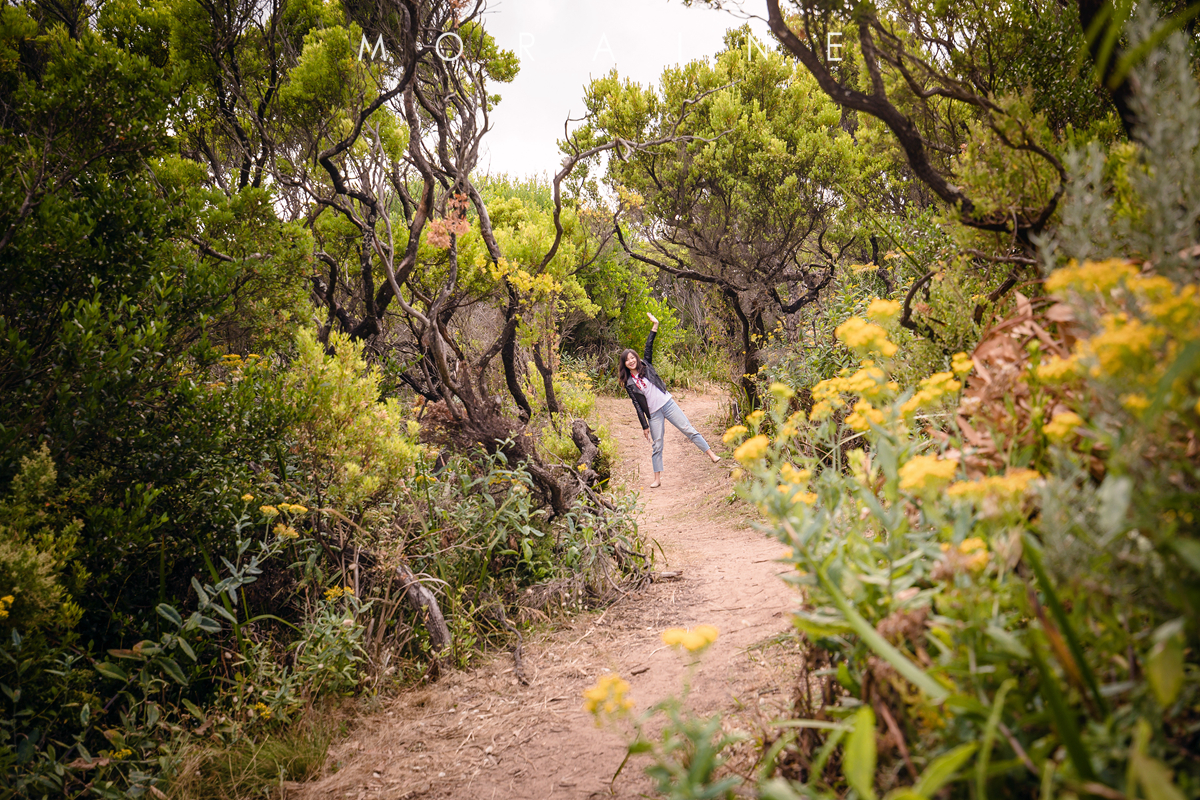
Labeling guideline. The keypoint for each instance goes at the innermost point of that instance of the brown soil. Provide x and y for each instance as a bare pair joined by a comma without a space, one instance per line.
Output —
480,734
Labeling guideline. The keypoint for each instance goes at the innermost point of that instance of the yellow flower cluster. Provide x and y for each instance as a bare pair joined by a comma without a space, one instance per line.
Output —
790,474
924,473
1146,321
863,415
1058,370
1062,426
882,310
272,511
1091,276
755,418
869,382
263,710
607,696
792,425
782,392
736,432
120,755
752,449
1008,487
865,337
930,391
285,531
961,364
247,497
5,604
694,640
335,592
974,551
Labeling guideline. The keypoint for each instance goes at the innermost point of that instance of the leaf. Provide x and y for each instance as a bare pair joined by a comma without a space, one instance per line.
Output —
186,648
1164,664
943,768
1189,551
112,671
1033,554
858,763
1064,719
1007,641
170,614
820,626
1155,778
170,667
882,647
989,736
200,593
193,709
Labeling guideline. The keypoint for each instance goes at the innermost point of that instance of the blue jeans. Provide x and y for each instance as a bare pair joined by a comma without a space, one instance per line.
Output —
673,414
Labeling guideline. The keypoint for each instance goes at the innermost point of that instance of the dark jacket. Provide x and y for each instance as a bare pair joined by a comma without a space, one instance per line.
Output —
635,394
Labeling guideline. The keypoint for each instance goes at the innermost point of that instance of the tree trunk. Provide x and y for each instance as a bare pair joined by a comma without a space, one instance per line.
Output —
547,380
589,448
423,601
508,357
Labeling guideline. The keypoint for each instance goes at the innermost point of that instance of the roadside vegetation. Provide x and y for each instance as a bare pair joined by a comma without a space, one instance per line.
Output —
297,408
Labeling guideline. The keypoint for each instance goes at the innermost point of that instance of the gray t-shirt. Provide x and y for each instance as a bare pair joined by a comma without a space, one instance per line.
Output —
655,398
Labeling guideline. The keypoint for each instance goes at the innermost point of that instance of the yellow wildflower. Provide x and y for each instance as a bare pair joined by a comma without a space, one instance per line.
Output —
735,432
782,391
247,497
607,696
976,552
961,364
796,476
1091,276
1057,370
882,310
1137,403
863,415
693,640
263,710
270,511
1062,426
752,449
862,336
5,604
1011,486
931,390
755,417
118,755
293,509
334,592
285,531
923,473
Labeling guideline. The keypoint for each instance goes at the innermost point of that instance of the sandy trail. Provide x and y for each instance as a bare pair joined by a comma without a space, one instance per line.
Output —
480,734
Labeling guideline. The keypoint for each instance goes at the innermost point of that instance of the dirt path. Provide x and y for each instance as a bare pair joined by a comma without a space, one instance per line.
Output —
481,735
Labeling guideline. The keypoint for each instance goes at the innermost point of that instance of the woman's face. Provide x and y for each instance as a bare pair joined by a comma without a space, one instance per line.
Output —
631,362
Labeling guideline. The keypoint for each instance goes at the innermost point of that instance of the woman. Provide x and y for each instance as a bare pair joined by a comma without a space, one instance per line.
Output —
654,405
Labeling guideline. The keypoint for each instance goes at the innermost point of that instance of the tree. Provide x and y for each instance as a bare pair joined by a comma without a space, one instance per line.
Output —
753,204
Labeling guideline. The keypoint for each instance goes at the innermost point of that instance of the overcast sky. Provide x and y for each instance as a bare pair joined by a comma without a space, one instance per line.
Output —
563,44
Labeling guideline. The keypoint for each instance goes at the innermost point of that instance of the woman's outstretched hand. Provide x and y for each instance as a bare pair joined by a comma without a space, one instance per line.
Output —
654,320
646,433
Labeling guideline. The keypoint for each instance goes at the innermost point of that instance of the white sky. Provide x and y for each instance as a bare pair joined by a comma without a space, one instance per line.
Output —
563,44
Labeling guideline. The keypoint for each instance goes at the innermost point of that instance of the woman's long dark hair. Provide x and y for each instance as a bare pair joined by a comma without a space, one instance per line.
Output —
623,371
